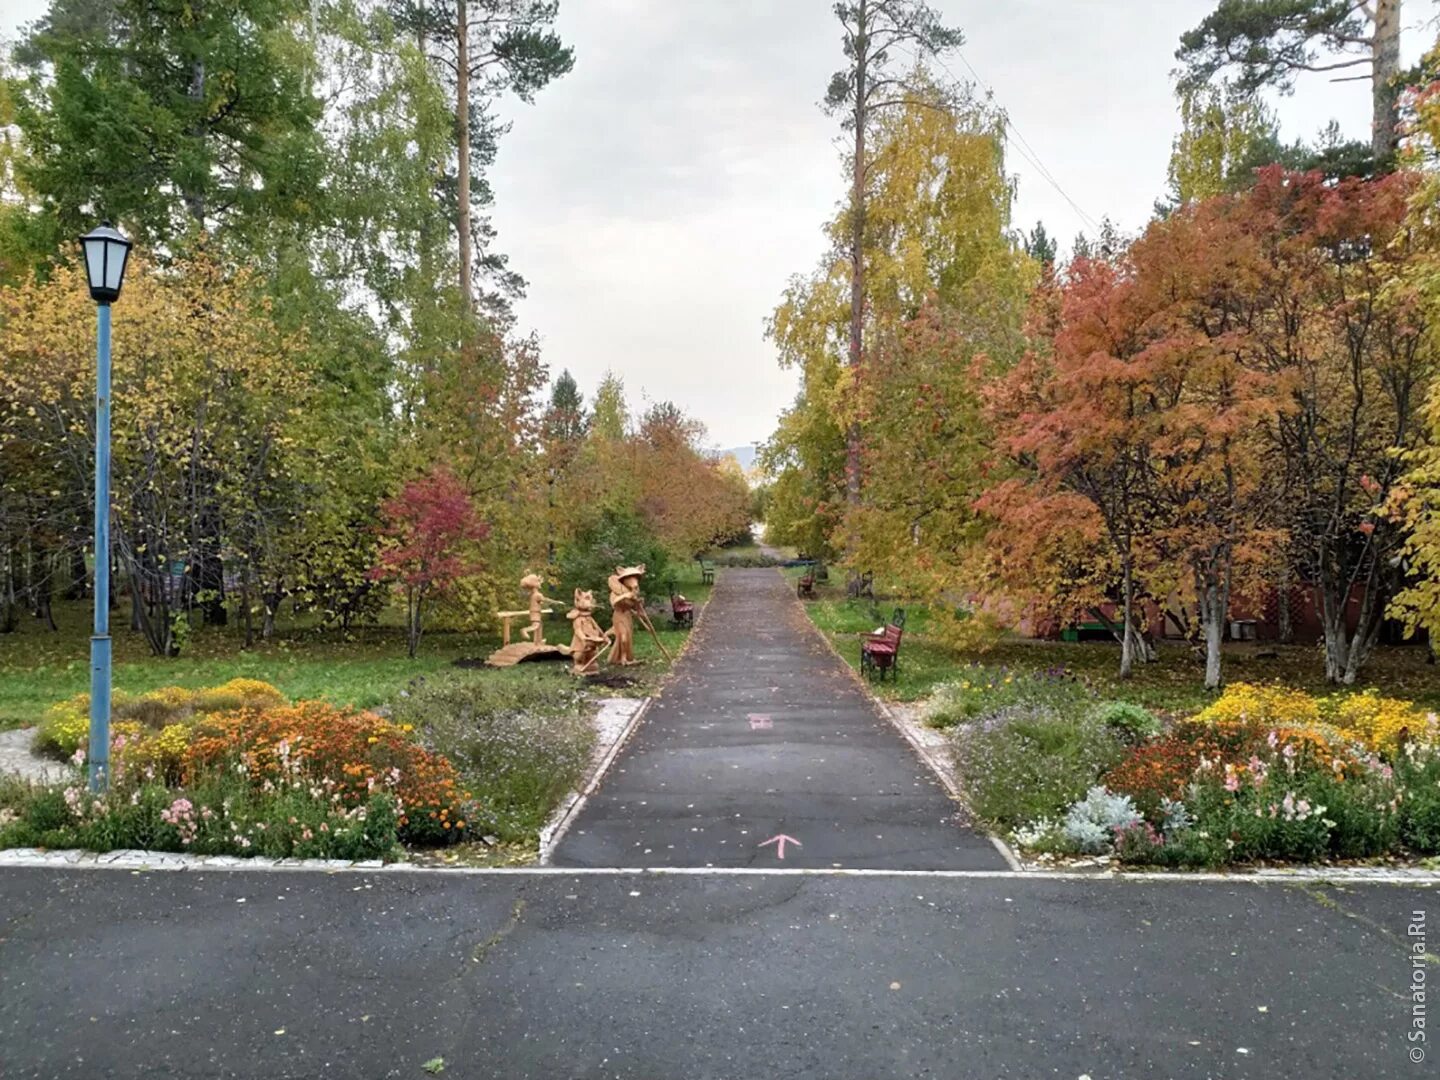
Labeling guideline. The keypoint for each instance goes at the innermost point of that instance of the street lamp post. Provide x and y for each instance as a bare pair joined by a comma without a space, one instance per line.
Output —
106,253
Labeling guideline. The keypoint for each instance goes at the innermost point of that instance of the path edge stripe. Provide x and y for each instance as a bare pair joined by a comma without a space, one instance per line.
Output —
923,752
565,814
171,862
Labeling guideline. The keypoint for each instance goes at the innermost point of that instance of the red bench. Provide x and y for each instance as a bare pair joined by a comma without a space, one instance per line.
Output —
682,611
805,587
880,652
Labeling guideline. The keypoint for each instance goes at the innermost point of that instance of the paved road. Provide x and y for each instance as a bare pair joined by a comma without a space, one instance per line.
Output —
713,975
762,731
105,974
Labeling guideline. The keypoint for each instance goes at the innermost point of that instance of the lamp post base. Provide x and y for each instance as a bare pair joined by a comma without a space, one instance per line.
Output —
98,760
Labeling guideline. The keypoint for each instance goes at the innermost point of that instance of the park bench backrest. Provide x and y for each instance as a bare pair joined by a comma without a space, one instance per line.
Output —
890,636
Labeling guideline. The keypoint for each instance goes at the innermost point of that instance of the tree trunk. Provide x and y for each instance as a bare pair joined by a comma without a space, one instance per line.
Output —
79,575
857,253
1284,615
43,593
462,125
209,567
245,607
413,600
1367,629
1332,625
195,200
9,604
1127,616
1384,88
1212,597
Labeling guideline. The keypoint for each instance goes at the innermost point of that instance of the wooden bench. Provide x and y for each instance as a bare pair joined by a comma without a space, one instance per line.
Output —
862,585
707,572
682,611
880,652
805,587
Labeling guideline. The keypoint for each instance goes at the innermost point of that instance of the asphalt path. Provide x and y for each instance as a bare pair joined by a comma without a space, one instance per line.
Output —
760,733
287,976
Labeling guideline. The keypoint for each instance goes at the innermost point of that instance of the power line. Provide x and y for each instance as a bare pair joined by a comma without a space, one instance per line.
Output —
1023,148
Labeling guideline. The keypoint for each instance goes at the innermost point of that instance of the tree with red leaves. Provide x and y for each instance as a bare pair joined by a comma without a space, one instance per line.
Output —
1146,419
429,529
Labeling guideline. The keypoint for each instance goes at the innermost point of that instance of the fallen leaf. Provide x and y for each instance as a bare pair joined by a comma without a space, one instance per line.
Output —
434,1065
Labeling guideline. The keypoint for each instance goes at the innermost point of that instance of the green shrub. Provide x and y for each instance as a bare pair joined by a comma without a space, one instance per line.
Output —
1278,815
1418,773
1029,761
519,747
1131,724
617,539
746,558
983,690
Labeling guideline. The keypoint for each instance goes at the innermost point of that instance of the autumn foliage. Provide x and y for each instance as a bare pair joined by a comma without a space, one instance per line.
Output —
429,530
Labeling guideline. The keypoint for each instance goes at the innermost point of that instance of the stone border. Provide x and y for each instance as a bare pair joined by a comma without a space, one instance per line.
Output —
614,723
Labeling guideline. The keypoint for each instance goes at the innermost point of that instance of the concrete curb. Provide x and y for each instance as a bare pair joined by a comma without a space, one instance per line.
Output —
151,861
560,821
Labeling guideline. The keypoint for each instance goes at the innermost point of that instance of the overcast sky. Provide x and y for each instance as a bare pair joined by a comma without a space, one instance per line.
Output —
658,198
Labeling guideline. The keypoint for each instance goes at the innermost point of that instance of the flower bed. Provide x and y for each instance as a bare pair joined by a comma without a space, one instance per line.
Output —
1262,774
235,770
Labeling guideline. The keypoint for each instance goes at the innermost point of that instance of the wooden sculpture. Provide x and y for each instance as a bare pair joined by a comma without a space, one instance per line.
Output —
629,607
533,583
625,601
532,634
587,638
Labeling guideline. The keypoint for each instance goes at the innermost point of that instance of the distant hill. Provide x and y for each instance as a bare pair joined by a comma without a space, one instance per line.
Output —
745,455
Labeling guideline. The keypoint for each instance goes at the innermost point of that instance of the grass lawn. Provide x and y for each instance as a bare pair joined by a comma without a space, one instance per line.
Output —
1172,685
366,668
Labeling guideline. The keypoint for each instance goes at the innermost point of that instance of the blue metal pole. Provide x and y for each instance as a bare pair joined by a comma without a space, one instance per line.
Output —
99,758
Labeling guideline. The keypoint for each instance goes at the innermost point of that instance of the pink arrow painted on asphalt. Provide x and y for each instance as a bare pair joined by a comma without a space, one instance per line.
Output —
780,842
